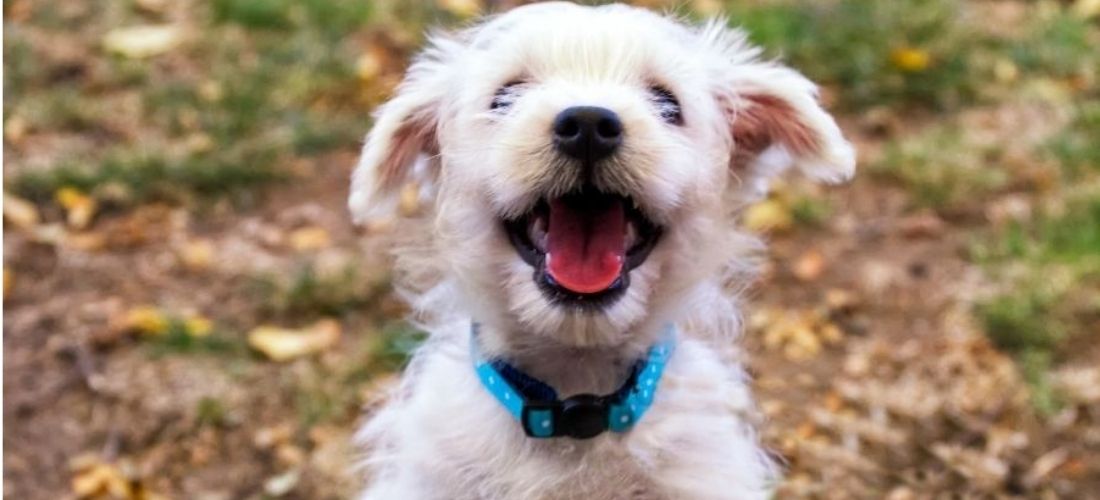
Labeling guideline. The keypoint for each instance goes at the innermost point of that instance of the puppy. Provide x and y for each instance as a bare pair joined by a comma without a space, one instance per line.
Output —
584,167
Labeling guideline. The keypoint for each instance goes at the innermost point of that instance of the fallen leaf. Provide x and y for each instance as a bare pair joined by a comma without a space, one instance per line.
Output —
79,207
910,59
840,300
138,42
284,344
798,334
20,212
147,320
93,478
809,266
196,255
50,234
372,63
198,326
309,238
768,215
88,242
15,130
268,437
282,484
460,8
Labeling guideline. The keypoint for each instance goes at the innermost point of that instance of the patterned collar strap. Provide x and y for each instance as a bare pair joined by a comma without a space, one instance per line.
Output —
537,407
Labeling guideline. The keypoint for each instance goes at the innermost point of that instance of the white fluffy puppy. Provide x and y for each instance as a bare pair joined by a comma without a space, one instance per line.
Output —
585,165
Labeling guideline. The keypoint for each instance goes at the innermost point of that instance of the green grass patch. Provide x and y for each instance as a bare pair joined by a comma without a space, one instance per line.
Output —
143,177
312,292
857,46
1059,44
179,339
1077,148
810,210
941,169
1051,291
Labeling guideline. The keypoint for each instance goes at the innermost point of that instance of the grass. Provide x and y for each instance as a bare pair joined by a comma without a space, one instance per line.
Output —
285,88
1077,149
178,339
854,46
312,292
1060,44
1053,291
142,177
941,169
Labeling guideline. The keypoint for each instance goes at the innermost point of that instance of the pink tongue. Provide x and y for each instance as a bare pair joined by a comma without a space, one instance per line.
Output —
585,245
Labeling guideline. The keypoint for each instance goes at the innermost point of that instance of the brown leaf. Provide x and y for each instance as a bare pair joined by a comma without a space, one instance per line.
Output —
809,266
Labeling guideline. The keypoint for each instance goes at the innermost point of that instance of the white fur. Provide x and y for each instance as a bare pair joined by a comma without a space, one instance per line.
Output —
442,435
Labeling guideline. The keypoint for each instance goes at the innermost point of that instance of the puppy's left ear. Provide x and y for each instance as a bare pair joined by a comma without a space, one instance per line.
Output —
402,143
776,122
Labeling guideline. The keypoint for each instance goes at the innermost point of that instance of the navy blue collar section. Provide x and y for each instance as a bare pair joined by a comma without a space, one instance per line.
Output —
543,415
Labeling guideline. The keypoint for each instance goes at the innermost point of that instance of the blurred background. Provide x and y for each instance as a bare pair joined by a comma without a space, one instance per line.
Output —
189,314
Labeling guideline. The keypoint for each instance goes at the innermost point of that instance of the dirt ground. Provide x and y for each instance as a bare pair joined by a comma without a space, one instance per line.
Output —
873,375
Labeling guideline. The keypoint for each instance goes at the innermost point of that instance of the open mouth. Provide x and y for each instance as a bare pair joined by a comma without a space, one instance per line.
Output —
583,245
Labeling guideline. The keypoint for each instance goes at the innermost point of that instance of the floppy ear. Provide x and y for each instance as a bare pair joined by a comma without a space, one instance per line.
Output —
776,122
774,118
401,146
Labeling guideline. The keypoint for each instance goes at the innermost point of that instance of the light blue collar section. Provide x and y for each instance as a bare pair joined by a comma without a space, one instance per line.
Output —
542,414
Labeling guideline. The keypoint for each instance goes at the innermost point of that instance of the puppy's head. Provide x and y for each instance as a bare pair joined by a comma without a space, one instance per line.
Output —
585,161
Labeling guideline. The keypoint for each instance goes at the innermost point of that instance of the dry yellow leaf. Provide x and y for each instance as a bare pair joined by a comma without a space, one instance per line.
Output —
460,8
309,238
146,320
95,478
138,42
285,344
198,326
20,212
911,60
768,215
196,255
800,335
79,207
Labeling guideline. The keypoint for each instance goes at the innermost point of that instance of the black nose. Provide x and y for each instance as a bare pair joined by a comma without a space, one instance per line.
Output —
588,133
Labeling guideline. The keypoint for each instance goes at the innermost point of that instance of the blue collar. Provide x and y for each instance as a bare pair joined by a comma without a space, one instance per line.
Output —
536,405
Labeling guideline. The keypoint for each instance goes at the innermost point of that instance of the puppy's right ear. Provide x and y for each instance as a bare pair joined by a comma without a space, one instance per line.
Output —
400,146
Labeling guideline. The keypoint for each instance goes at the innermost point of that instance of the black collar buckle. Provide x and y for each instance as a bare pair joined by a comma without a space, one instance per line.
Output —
582,416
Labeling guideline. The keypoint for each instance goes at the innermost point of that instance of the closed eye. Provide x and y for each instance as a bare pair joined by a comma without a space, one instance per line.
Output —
668,107
505,96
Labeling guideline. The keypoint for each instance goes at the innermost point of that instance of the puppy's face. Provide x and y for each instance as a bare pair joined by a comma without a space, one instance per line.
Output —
585,161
